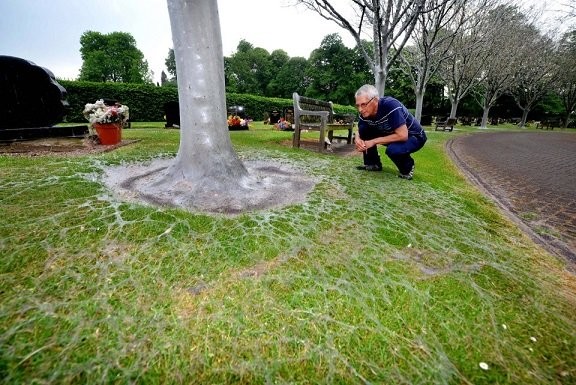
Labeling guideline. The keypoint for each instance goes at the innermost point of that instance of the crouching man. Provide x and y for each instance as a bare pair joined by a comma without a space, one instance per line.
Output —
386,121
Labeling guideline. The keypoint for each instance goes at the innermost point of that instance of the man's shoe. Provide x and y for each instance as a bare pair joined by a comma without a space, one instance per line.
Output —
408,176
370,167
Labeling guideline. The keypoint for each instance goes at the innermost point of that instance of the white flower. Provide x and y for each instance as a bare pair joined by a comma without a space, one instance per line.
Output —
101,113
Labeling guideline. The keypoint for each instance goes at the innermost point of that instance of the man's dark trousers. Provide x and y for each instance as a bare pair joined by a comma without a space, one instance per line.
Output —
398,152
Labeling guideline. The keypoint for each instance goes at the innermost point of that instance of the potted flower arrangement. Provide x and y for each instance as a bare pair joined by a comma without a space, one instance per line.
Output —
237,123
106,120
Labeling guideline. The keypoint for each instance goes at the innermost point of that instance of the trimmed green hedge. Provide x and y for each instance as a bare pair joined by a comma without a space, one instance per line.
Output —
146,102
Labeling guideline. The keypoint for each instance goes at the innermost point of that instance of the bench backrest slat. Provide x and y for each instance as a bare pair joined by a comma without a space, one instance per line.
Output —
303,104
318,115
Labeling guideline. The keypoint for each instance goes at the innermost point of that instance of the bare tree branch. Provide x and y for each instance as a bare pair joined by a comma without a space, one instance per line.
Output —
392,23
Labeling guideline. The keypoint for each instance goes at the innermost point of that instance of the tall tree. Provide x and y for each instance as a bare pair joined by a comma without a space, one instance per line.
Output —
249,69
334,71
200,74
537,74
508,25
290,78
170,63
566,83
390,24
207,174
112,57
433,36
469,52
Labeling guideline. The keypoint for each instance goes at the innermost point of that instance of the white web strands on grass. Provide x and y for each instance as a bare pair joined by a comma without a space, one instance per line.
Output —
371,278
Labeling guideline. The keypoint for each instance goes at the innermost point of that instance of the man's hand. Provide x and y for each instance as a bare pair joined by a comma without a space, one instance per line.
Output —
362,145
400,135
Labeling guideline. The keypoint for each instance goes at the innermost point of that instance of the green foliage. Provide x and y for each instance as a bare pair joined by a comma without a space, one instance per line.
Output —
257,107
291,78
171,63
251,69
112,57
336,71
398,85
146,102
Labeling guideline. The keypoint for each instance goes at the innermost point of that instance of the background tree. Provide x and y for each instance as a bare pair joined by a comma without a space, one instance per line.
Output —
171,63
468,54
112,57
507,26
249,69
334,71
433,36
566,83
390,24
290,78
278,59
535,77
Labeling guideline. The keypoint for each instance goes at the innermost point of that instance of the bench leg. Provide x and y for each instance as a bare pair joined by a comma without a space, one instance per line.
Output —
296,137
321,141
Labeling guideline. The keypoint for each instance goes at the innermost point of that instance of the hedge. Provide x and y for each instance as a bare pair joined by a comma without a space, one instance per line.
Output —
146,102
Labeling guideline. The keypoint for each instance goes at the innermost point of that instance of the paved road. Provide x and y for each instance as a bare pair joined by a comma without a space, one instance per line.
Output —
532,176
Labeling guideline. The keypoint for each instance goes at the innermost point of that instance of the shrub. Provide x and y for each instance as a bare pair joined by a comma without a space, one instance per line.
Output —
147,101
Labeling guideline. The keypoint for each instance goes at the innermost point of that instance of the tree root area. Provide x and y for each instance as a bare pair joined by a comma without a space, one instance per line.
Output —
267,185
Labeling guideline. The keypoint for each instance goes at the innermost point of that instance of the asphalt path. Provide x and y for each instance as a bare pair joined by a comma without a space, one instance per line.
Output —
531,176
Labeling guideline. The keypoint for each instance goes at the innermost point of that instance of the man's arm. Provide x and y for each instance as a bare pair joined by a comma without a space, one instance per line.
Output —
400,135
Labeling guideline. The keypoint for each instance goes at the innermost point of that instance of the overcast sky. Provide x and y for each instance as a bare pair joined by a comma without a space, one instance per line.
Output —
48,32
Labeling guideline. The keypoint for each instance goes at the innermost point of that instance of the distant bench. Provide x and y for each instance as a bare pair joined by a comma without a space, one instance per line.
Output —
547,124
445,125
318,115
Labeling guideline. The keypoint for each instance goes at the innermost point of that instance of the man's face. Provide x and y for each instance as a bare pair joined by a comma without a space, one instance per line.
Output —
367,106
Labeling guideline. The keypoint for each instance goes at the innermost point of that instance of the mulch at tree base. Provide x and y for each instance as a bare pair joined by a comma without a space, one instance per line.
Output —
58,146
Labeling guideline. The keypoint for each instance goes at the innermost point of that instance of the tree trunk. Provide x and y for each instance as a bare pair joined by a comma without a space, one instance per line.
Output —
206,174
205,147
419,103
454,108
380,80
484,123
525,112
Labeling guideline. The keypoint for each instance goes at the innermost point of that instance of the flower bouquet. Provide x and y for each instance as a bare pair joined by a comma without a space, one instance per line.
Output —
237,123
106,121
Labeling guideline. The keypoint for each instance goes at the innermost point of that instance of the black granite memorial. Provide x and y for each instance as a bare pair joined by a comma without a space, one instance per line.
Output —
275,116
236,115
172,114
31,102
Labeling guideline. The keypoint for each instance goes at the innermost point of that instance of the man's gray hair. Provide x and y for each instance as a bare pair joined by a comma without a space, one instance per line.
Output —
368,90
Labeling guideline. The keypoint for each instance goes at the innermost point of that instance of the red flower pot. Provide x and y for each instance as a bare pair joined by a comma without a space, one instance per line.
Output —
109,133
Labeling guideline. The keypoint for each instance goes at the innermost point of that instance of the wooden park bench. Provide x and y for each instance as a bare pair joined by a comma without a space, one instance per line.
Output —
318,115
446,125
547,124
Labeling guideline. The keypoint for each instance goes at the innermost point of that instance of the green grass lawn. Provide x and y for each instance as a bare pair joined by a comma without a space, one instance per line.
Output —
373,279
